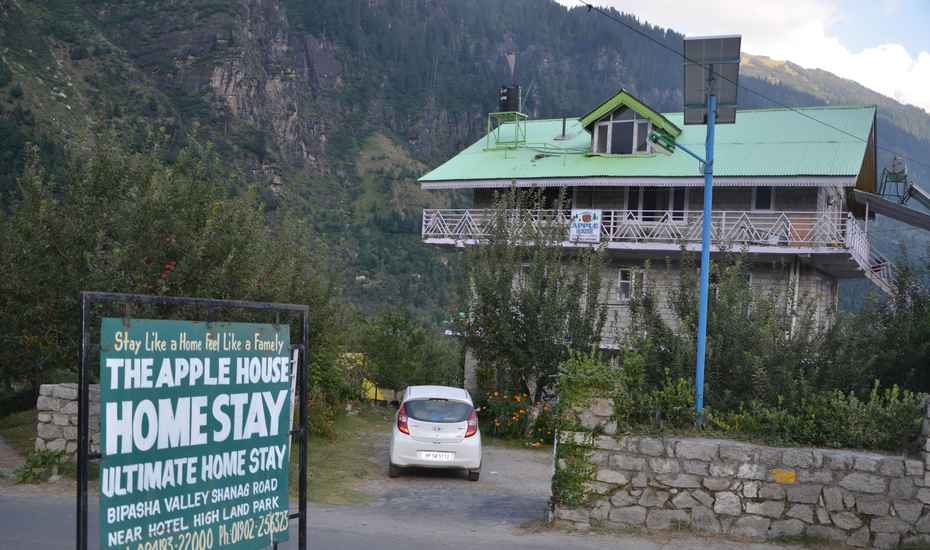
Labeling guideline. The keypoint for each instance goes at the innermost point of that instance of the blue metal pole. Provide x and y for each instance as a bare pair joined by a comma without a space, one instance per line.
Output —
705,255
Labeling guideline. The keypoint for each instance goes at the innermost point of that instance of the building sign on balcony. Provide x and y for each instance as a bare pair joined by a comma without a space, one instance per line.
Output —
585,226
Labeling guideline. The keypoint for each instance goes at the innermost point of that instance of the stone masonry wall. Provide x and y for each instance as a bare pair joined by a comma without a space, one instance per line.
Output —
856,498
57,408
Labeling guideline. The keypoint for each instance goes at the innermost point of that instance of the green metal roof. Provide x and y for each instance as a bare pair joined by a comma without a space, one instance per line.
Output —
624,97
763,142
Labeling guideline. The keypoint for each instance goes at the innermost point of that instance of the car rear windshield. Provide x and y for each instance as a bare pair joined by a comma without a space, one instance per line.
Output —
437,410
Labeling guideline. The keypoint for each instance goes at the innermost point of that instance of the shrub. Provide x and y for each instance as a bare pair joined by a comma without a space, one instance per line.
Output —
39,465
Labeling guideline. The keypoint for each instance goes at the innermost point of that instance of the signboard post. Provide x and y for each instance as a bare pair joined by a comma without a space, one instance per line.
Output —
195,432
585,226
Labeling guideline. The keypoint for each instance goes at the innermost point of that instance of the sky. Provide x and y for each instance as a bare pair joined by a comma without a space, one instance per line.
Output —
882,44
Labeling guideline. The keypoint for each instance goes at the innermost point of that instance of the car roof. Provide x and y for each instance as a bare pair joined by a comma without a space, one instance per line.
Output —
442,392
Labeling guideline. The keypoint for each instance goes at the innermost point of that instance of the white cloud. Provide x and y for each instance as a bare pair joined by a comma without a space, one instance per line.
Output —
798,31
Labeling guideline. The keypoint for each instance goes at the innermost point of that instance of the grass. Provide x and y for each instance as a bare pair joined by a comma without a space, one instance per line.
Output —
338,465
19,430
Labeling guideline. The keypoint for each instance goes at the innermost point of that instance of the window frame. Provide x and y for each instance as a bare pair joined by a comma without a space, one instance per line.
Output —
636,283
771,207
609,121
639,191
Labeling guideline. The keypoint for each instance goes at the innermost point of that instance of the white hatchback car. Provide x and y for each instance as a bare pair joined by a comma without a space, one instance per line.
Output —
436,427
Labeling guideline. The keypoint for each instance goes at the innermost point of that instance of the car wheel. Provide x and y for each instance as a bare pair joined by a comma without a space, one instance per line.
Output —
393,471
473,475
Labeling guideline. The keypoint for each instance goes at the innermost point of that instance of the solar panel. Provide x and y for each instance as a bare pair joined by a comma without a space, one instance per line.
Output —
711,67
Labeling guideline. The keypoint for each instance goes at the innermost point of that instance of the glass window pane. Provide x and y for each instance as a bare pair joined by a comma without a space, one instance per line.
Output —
632,198
437,410
601,139
621,139
763,198
642,136
624,114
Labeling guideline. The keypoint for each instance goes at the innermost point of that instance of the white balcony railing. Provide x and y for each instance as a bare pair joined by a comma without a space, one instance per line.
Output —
773,231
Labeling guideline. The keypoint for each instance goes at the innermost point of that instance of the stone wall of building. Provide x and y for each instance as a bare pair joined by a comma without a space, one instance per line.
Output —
57,409
855,498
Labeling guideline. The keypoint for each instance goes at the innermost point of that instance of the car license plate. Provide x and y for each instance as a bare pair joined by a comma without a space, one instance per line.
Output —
436,456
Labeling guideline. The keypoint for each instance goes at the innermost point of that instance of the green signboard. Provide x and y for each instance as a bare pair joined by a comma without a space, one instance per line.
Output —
194,426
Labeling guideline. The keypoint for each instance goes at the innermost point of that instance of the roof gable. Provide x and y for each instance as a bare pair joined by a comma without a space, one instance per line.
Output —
626,99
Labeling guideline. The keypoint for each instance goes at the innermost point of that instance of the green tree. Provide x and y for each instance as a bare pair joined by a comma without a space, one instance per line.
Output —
529,301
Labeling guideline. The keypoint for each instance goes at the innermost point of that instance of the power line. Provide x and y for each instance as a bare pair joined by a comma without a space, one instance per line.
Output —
738,85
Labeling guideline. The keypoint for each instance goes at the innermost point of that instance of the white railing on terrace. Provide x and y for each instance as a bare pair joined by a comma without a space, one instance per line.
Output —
733,228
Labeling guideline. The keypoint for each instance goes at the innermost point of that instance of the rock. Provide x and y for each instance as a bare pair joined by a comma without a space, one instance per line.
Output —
891,467
622,498
826,533
607,443
598,487
572,514
651,447
680,481
40,444
772,491
703,519
629,515
886,540
600,510
703,497
716,484
752,471
695,467
913,467
770,456
823,517
909,511
664,465
60,419
863,483
786,528
833,498
798,458
46,389
770,508
860,538
846,520
627,462
70,433
697,450
871,505
652,498
737,453
666,519
803,512
888,525
901,488
807,494
865,464
684,501
56,445
923,495
728,504
45,403
923,524
824,477
751,527
48,431
71,407
612,476
849,500
723,469
68,392
640,480
601,406
751,489
71,447
610,427
838,460
44,417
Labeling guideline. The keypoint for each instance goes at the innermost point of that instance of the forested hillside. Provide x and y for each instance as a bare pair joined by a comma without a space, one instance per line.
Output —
336,106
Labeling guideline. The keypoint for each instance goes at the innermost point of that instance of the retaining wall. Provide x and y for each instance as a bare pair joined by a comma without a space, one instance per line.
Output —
857,498
57,427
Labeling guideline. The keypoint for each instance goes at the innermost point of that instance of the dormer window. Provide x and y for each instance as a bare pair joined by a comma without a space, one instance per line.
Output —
623,132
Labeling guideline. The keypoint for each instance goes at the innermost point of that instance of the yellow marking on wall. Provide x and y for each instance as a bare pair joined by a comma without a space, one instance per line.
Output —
784,477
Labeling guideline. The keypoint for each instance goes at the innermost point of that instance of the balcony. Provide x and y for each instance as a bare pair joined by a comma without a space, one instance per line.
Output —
834,236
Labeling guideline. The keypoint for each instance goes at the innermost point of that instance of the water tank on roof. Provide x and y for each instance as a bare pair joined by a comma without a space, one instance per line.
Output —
509,99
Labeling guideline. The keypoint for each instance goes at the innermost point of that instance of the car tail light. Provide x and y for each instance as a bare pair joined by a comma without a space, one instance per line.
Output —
472,424
402,420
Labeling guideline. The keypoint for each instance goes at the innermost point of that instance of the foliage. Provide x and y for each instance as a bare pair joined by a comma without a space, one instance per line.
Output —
403,351
508,416
529,308
573,470
39,465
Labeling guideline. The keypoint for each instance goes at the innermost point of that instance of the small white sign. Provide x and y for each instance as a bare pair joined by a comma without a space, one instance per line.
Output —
585,226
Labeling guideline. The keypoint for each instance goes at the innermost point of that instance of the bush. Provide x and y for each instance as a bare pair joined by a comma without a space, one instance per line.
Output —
39,466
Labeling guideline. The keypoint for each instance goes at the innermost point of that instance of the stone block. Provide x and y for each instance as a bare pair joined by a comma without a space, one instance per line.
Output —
667,519
901,488
59,419
599,458
886,540
768,508
622,498
737,452
723,469
70,433
71,407
891,467
40,444
66,391
849,500
823,517
48,431
56,445
610,427
838,460
697,450
640,480
909,511
653,498
824,477
606,443
664,465
752,471
46,389
923,524
833,498
628,515
45,403
751,489
806,494
716,483
751,527
612,476
44,417
703,497
601,406
680,481
824,532
572,514
798,458
863,483
923,495
803,512
914,467
772,491
599,487
695,467
786,528
770,456
71,446
704,519
651,447
888,525
622,461
865,464
860,538
846,520
684,501
599,511
872,505
728,504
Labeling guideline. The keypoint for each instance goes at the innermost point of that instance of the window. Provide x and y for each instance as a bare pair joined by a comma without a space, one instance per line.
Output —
762,198
651,203
630,283
623,132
